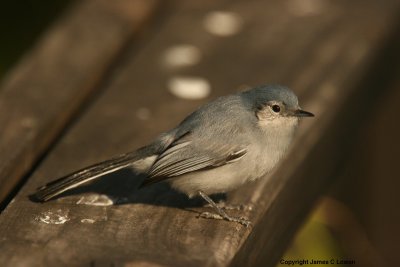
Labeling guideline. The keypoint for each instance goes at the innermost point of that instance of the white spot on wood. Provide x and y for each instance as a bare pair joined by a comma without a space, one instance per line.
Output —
28,122
143,113
95,200
305,7
182,55
189,87
223,23
88,221
53,217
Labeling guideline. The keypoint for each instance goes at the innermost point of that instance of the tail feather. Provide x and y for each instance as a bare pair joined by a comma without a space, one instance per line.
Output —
85,175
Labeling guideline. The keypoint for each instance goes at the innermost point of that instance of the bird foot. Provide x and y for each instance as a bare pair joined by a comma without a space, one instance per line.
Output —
225,206
242,220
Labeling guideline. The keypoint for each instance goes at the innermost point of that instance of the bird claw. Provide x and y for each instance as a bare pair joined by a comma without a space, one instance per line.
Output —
225,206
209,215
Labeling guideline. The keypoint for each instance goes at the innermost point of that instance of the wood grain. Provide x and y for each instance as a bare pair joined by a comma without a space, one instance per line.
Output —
322,53
54,79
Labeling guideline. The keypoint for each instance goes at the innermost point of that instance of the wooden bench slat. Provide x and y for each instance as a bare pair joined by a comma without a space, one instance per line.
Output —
157,227
41,95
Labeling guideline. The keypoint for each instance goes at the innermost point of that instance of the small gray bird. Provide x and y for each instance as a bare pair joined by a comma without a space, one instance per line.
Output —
224,144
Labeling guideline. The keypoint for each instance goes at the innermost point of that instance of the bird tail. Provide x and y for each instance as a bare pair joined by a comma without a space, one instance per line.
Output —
84,175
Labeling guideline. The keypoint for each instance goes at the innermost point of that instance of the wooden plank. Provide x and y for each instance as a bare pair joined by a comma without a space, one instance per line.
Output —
48,87
323,53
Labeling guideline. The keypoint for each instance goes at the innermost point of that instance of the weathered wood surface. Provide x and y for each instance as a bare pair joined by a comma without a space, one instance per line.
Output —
41,95
323,51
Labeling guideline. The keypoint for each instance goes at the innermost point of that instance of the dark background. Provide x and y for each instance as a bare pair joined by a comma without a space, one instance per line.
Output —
21,23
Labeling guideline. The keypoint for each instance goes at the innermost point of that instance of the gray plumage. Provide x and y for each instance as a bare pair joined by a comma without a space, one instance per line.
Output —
222,145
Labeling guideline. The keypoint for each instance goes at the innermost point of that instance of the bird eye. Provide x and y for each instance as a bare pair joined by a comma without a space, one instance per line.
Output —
276,108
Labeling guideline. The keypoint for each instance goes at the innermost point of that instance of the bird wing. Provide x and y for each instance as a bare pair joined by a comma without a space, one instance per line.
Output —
185,156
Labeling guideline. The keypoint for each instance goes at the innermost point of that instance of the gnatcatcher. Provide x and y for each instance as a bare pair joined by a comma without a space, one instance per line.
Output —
224,144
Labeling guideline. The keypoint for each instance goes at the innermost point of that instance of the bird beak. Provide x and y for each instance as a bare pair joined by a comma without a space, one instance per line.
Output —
302,113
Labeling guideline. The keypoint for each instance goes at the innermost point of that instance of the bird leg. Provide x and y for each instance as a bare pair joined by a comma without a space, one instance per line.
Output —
221,214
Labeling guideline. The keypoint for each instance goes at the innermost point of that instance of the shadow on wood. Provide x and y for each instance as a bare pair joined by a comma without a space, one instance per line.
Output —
123,188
